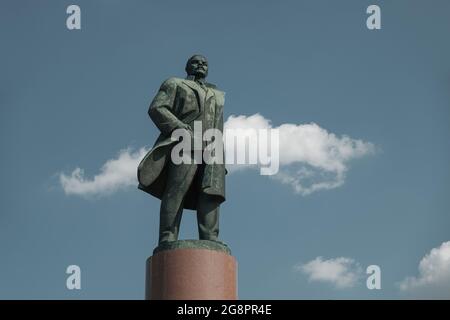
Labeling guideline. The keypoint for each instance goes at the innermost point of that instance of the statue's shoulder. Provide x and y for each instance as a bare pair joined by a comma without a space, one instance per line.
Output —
213,86
219,94
172,81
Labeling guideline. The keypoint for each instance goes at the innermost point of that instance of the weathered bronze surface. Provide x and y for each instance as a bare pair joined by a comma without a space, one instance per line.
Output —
201,187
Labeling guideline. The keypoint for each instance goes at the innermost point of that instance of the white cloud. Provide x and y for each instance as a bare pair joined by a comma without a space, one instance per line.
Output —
340,272
433,280
311,159
115,174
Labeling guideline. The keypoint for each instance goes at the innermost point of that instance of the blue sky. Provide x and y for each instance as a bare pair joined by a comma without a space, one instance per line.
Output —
74,99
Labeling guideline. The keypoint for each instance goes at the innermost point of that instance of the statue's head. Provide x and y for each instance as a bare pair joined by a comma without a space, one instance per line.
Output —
197,66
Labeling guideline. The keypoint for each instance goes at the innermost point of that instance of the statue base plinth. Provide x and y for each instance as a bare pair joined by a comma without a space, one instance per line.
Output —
191,270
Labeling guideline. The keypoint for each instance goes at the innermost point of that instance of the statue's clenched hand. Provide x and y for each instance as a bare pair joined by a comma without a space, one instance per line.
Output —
186,127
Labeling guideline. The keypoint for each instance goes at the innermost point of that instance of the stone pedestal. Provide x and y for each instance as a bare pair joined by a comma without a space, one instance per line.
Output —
191,270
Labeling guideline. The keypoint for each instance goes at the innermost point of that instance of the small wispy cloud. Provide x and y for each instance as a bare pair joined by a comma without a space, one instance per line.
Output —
433,280
311,159
340,272
115,174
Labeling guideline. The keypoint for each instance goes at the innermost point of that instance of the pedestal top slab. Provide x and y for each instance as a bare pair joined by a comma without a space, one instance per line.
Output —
193,244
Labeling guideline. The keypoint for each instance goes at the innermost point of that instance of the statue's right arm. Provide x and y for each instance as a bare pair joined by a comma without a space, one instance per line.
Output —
160,110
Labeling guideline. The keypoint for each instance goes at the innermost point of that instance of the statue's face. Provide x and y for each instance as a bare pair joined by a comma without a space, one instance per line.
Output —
197,66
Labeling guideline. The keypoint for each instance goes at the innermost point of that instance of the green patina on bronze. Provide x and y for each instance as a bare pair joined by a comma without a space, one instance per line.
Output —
201,187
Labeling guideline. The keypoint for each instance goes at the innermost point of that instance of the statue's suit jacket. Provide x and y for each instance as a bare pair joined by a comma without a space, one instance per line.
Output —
181,101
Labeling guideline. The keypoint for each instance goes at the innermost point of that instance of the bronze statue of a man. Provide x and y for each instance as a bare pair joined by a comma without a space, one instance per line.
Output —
197,186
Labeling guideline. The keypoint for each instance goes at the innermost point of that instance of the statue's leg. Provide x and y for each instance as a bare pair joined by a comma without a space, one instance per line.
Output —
179,179
207,217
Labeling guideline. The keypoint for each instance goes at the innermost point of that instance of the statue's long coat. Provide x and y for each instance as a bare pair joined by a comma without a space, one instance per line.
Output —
181,101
